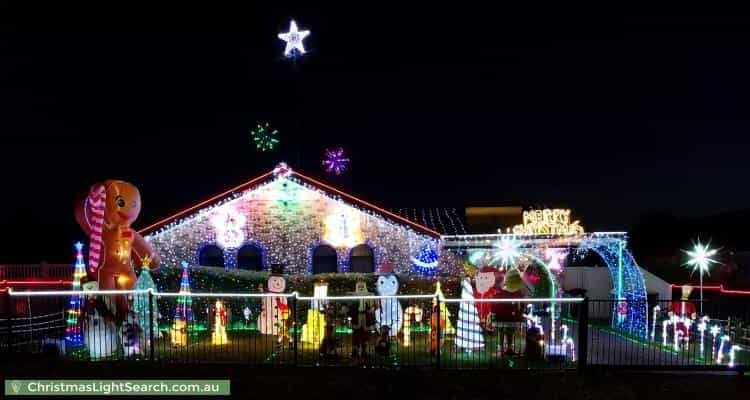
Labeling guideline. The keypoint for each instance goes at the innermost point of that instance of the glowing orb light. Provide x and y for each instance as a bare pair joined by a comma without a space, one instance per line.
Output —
335,161
294,46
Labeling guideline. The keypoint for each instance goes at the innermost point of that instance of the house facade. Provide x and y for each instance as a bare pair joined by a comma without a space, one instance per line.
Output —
284,217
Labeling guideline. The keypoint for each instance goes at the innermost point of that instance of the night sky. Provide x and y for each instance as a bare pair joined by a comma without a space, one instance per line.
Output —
610,114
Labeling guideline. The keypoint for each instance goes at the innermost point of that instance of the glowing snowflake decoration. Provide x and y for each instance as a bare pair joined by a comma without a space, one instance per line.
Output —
507,251
264,137
335,161
293,39
700,257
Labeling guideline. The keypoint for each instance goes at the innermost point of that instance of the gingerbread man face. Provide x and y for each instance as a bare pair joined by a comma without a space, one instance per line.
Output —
123,203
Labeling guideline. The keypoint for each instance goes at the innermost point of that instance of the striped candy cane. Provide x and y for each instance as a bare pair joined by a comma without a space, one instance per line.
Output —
95,218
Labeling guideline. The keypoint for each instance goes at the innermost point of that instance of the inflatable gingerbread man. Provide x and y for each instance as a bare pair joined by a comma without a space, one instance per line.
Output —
105,216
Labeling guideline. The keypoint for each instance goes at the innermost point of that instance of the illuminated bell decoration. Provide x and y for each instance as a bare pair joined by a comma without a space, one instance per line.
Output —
229,225
343,229
548,222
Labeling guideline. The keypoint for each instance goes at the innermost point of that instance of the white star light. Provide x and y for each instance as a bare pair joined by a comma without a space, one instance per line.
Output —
507,251
700,257
293,40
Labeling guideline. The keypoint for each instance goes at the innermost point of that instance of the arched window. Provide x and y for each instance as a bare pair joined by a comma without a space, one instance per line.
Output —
324,260
361,259
211,256
250,257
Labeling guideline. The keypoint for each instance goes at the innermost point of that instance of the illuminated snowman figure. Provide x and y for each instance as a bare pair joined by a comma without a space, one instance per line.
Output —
389,312
100,333
269,319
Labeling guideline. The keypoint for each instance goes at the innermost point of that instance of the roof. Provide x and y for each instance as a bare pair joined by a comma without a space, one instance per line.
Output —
283,170
447,221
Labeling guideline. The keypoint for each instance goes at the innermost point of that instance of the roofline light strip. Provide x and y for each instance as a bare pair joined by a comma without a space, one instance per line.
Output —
213,199
369,205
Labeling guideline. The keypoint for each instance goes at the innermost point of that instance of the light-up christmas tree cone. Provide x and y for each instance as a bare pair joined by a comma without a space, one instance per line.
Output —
73,334
184,313
219,335
141,304
700,259
449,329
468,333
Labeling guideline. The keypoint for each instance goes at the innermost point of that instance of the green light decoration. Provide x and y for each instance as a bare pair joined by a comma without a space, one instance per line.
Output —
264,137
141,302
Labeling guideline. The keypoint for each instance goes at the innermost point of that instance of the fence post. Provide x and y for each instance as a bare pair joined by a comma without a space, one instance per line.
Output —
296,327
583,335
437,331
8,320
151,325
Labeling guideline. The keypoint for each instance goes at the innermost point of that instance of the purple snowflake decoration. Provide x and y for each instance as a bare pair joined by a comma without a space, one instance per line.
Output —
335,161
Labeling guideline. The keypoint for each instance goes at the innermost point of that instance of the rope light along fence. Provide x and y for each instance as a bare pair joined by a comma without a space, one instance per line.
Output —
303,330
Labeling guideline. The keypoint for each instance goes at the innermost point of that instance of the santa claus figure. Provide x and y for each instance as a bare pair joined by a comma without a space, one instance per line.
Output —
683,313
362,314
485,289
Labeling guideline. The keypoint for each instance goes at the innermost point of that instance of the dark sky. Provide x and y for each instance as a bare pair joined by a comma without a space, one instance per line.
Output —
608,112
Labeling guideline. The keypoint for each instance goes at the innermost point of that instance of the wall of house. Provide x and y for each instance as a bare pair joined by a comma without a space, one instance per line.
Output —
287,220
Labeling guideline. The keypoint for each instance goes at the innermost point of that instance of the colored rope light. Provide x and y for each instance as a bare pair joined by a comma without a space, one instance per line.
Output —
719,288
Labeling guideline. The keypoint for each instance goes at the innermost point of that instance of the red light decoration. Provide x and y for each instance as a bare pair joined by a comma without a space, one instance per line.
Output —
719,288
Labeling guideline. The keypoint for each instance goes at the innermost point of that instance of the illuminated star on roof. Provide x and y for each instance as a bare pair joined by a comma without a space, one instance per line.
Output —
293,39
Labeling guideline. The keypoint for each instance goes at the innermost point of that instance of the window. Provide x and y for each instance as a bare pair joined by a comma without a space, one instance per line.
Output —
361,259
250,257
211,256
324,260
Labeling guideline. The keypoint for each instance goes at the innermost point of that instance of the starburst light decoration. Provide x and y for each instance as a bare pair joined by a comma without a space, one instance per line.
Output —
335,161
263,136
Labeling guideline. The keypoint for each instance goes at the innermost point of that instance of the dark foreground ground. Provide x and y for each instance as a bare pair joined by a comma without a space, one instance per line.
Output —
347,383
